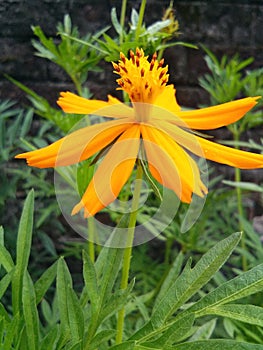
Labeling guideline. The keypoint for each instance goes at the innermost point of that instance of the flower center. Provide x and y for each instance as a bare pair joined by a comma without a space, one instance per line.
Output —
143,80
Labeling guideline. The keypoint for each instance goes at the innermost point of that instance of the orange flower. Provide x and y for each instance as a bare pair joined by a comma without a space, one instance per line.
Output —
153,123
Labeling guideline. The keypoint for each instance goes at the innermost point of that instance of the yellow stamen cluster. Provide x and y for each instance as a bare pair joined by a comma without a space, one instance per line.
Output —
141,79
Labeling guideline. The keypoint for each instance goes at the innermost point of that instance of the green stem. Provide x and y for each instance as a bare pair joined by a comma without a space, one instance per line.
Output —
128,249
91,233
122,19
140,20
240,202
77,84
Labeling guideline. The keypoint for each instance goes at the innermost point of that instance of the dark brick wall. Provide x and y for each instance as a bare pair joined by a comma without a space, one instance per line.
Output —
223,26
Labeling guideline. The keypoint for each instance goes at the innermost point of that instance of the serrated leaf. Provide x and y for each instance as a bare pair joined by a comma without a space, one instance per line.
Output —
245,313
175,333
90,279
190,282
76,317
107,267
117,301
171,277
217,344
247,283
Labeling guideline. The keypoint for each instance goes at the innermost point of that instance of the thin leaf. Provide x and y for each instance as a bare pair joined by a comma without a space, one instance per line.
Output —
24,238
76,317
64,282
127,345
50,339
205,331
175,333
101,337
217,344
171,277
117,301
247,283
11,332
45,281
6,259
115,21
244,185
190,282
245,313
30,312
90,278
4,283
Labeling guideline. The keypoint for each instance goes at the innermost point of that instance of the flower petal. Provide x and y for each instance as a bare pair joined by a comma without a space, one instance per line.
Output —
230,156
77,146
113,108
171,165
217,116
211,150
112,173
167,100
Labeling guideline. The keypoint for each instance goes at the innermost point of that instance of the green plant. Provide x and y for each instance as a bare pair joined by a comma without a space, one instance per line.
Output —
76,59
86,320
226,81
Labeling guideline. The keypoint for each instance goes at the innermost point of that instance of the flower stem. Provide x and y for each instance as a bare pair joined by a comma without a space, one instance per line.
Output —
91,245
140,20
239,202
122,19
128,248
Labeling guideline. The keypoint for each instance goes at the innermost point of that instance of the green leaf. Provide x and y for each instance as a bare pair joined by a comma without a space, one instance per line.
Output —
90,279
245,313
101,337
11,332
4,283
244,185
190,281
175,333
24,238
118,300
76,317
6,259
217,344
204,331
171,277
44,282
127,345
30,312
4,314
50,339
64,283
247,283
107,267
115,22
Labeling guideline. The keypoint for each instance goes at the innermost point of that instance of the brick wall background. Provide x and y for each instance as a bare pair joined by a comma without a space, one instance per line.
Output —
223,26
